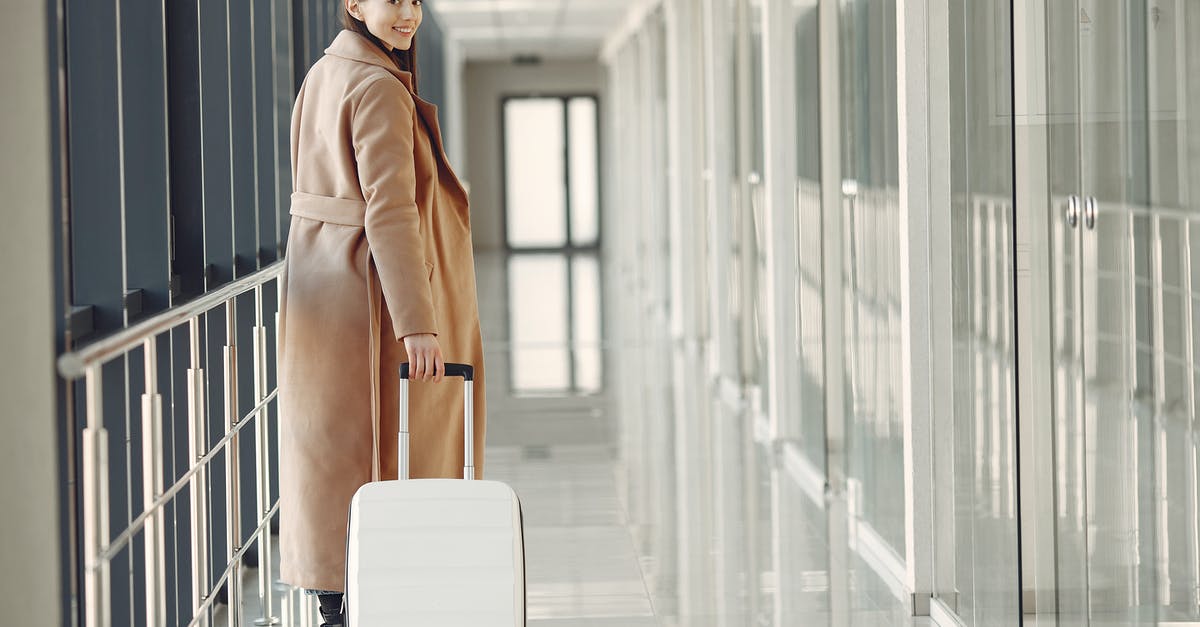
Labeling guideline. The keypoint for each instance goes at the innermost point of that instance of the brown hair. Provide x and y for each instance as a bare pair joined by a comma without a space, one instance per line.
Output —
404,59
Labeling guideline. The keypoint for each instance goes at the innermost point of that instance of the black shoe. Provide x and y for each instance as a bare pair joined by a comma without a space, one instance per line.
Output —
330,607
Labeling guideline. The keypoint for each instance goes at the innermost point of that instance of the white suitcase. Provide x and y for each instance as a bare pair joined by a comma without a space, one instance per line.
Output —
435,552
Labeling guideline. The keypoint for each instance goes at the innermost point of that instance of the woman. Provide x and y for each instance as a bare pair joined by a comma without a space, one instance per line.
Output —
379,271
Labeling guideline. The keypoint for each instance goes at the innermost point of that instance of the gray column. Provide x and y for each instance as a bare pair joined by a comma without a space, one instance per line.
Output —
27,450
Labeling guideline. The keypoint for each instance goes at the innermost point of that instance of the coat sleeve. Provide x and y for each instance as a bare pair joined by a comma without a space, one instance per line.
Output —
382,128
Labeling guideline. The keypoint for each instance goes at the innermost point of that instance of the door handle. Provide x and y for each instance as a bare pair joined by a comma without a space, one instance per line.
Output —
1089,213
1072,214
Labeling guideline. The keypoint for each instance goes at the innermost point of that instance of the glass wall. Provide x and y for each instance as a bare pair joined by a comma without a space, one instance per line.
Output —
871,280
808,423
984,581
1107,126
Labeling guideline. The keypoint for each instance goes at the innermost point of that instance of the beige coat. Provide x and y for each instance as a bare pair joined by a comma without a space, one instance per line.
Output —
379,248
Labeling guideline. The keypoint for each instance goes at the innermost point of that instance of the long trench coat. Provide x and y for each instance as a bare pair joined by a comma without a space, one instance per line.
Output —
379,248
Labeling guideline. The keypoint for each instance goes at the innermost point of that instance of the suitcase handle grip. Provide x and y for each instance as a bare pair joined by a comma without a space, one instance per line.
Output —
466,371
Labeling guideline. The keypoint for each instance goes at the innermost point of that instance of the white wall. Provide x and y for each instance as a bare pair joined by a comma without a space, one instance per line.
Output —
29,542
485,84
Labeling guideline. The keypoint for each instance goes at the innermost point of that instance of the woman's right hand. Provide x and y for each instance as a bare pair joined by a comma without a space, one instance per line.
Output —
424,357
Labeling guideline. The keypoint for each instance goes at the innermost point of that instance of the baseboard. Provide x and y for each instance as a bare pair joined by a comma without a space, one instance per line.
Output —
943,616
882,560
808,477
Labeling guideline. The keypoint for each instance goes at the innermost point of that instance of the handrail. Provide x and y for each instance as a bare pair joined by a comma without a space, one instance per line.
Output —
99,548
118,543
74,365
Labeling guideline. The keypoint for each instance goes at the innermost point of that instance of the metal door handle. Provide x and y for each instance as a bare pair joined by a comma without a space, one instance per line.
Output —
1089,213
1072,211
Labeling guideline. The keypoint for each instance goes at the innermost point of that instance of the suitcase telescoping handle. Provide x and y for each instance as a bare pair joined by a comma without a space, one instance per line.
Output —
467,372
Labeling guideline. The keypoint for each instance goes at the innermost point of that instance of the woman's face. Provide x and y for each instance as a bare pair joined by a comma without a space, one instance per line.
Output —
394,22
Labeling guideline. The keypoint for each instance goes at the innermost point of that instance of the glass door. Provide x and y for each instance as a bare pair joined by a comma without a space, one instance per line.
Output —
1118,330
1104,336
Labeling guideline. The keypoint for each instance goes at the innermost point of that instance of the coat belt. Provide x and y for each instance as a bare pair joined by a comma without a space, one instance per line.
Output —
344,211
353,212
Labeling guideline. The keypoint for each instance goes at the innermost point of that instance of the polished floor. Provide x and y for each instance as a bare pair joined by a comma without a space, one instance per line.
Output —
648,500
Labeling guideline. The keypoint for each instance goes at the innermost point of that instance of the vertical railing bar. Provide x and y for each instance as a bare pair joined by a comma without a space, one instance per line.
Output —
262,465
1189,351
126,407
97,604
232,486
197,449
152,486
1159,420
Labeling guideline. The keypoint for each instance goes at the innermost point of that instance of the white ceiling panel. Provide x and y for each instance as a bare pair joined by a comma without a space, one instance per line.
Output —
551,29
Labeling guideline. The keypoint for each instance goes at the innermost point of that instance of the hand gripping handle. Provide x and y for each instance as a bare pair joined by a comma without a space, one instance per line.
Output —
467,372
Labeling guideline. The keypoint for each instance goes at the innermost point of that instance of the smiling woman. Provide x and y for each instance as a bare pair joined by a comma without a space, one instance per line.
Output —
393,22
390,24
380,271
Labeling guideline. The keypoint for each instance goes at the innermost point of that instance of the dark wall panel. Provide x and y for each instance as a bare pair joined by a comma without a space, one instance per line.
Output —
186,154
215,142
285,90
143,77
94,161
242,135
265,123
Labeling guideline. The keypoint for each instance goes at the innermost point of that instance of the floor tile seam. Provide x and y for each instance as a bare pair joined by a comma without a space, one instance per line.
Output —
628,524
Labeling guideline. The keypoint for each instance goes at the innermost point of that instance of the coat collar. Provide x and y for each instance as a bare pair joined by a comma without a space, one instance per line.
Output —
350,45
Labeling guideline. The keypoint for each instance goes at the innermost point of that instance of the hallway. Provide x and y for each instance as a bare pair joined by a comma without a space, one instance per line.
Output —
795,312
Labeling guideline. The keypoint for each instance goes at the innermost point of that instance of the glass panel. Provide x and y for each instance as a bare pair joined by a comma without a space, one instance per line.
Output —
871,279
986,574
538,326
585,216
535,193
810,424
1120,336
1065,354
757,284
1110,355
1174,104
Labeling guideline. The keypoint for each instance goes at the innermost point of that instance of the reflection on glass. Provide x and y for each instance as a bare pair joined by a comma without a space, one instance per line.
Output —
535,191
1174,105
585,217
875,438
983,545
809,426
554,325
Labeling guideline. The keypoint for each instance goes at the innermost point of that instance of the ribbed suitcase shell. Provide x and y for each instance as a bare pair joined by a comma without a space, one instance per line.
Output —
435,552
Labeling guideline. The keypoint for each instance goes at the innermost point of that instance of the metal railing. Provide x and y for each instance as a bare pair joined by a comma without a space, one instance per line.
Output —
100,547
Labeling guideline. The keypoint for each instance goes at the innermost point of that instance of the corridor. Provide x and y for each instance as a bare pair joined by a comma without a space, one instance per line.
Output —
795,313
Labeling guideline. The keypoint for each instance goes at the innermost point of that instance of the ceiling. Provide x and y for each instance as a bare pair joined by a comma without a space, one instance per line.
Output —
551,29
